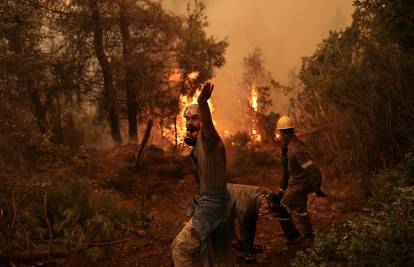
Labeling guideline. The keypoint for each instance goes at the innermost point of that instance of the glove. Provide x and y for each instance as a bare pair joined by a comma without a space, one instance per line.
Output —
320,193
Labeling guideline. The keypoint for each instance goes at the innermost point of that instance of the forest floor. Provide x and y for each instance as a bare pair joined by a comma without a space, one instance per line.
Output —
165,199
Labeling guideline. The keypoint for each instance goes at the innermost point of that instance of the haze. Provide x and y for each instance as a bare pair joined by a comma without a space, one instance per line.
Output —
285,30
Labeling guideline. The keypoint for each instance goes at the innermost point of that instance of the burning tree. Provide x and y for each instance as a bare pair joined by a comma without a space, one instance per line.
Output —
259,84
198,55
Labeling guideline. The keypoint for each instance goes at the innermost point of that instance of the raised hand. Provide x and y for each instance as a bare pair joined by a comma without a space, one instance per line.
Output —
205,93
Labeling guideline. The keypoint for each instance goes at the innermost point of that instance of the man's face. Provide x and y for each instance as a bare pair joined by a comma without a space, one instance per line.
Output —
284,137
195,121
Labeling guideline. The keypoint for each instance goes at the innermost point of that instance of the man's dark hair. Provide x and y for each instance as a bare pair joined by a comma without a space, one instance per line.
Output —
274,205
274,200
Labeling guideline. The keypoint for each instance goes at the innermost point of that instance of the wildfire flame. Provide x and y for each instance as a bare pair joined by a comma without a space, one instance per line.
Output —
176,76
256,136
253,99
253,102
193,75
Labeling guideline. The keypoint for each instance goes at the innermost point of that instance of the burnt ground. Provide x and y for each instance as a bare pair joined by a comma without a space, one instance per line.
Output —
165,203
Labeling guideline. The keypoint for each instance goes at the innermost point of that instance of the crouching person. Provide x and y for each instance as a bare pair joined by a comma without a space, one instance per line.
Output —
251,202
209,230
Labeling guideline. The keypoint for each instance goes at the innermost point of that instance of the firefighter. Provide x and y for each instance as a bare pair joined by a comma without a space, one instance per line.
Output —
300,177
207,233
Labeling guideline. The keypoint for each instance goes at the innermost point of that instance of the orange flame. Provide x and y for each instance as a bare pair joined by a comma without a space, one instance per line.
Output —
176,76
253,102
253,99
256,136
193,75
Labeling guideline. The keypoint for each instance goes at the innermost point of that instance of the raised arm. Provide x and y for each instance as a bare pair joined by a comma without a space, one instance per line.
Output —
207,122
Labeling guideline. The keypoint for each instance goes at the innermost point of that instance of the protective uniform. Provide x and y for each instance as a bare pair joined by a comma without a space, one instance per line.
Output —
299,179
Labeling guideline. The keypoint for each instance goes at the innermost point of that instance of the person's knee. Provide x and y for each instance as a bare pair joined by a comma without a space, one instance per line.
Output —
185,244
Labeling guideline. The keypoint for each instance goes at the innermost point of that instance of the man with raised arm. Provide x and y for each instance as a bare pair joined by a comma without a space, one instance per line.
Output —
207,233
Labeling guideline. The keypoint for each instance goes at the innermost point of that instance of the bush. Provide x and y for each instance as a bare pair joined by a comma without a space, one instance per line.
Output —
379,236
74,216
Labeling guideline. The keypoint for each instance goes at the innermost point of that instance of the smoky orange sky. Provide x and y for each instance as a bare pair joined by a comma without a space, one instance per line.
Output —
285,31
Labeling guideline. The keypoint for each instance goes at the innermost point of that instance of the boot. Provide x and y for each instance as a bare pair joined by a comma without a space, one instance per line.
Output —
289,228
305,222
286,222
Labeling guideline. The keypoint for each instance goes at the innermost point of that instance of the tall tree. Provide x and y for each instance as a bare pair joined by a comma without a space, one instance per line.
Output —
359,79
22,32
197,52
109,92
128,73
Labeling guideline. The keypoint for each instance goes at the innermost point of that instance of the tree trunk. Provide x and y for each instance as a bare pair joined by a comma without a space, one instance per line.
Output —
38,109
144,143
109,94
128,79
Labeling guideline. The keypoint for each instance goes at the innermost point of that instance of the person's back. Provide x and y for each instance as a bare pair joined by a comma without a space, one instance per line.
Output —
248,199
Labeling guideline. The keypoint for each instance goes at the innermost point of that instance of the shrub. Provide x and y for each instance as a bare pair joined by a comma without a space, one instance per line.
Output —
379,236
74,216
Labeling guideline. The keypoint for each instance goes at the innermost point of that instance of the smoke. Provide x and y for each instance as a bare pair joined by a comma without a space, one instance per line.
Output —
285,30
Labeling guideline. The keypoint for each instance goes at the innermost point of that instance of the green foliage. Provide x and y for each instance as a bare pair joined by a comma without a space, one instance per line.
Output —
358,80
196,50
74,216
381,235
73,87
395,19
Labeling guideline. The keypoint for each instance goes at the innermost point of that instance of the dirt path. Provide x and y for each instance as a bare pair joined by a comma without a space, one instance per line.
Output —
165,205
